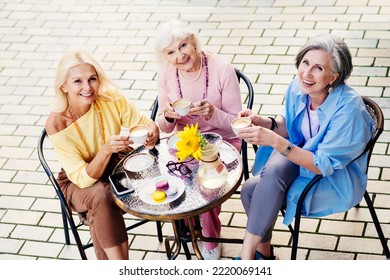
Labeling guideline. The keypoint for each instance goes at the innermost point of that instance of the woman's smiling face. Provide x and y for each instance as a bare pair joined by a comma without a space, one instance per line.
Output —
81,85
315,72
182,55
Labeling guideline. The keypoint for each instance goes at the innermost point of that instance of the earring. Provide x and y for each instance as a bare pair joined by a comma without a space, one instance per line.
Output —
330,89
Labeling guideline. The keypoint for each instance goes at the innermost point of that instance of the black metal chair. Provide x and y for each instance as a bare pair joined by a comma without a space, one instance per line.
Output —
66,211
377,116
249,105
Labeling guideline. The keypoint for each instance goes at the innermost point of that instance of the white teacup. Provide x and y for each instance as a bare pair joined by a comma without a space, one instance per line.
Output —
182,106
139,134
240,123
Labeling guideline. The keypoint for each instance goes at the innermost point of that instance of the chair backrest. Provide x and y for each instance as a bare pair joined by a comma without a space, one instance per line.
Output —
251,95
153,114
377,116
48,171
64,205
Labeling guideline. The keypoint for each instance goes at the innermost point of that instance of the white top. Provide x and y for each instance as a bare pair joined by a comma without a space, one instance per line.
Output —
313,122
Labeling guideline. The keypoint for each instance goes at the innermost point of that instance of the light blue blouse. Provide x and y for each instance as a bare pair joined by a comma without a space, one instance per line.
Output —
345,128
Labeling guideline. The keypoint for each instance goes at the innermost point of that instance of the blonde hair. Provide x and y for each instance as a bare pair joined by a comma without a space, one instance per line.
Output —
169,31
107,90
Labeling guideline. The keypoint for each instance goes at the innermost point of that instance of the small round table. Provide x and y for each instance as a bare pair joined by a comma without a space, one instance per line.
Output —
185,210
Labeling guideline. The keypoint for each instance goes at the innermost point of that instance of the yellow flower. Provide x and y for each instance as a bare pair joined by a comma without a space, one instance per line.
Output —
190,144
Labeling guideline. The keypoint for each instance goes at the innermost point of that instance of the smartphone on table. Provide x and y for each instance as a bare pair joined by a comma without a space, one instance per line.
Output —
121,183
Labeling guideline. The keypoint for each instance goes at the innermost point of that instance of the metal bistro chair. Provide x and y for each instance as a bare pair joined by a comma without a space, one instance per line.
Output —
249,105
66,211
377,116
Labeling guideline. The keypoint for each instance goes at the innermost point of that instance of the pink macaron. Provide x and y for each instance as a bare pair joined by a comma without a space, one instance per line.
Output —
162,185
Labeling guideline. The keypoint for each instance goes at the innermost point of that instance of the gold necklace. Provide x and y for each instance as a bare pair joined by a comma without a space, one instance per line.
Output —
81,135
197,77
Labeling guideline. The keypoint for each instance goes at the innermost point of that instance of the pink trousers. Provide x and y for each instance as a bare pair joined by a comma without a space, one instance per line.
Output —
211,226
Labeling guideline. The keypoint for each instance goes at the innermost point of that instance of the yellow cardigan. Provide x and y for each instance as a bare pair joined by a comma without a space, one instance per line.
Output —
70,149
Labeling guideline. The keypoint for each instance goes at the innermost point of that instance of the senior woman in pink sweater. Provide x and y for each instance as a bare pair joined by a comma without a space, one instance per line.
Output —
210,83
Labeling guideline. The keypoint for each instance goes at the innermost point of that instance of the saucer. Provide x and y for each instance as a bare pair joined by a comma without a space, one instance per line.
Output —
147,189
172,140
227,155
138,162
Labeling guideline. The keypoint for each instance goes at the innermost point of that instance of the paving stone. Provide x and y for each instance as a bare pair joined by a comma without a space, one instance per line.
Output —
21,217
10,245
31,233
42,249
15,202
341,228
5,230
10,188
364,245
325,255
317,241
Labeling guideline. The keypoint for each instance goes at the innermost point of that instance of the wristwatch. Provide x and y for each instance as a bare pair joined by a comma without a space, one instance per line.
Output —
288,150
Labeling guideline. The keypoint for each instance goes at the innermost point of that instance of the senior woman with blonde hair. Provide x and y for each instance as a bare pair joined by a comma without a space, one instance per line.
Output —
324,127
84,128
210,83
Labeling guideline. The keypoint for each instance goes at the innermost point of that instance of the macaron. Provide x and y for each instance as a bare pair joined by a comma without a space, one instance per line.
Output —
158,196
171,191
162,185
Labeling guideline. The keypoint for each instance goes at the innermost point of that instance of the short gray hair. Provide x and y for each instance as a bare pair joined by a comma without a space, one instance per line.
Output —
337,48
167,32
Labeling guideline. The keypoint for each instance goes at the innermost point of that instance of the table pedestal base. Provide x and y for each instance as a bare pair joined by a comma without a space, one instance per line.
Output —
190,230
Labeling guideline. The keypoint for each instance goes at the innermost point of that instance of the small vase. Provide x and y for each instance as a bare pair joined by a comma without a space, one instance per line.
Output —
212,173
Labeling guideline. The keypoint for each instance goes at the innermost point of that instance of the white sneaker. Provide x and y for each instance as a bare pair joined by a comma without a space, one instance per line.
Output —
214,254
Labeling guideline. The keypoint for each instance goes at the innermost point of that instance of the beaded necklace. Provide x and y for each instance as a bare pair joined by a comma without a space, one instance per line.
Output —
206,79
81,135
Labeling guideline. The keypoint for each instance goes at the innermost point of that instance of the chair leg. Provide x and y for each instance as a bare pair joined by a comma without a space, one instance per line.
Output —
377,225
77,239
244,147
159,231
289,226
66,227
295,236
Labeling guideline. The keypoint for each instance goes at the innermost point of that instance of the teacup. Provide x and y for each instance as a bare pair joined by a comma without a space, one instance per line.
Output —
182,106
239,123
139,134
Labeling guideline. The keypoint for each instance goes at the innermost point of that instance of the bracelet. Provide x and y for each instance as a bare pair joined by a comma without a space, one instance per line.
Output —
288,150
274,124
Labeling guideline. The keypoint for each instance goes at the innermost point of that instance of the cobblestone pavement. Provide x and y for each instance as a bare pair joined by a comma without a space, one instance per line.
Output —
259,37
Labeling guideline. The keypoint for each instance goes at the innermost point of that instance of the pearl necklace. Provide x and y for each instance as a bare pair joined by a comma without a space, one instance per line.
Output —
81,135
200,71
206,78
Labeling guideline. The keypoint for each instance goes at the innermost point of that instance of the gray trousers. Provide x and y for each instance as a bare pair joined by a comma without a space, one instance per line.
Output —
263,196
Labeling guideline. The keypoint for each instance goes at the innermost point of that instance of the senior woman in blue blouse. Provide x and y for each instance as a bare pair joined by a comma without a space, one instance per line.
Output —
323,128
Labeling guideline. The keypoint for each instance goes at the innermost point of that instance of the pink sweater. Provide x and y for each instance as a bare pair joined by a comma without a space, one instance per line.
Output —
223,93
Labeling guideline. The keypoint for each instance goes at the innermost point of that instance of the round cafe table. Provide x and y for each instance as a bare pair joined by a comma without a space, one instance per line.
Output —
144,166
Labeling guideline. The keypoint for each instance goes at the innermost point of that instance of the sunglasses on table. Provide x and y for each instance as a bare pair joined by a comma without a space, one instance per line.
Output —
179,166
